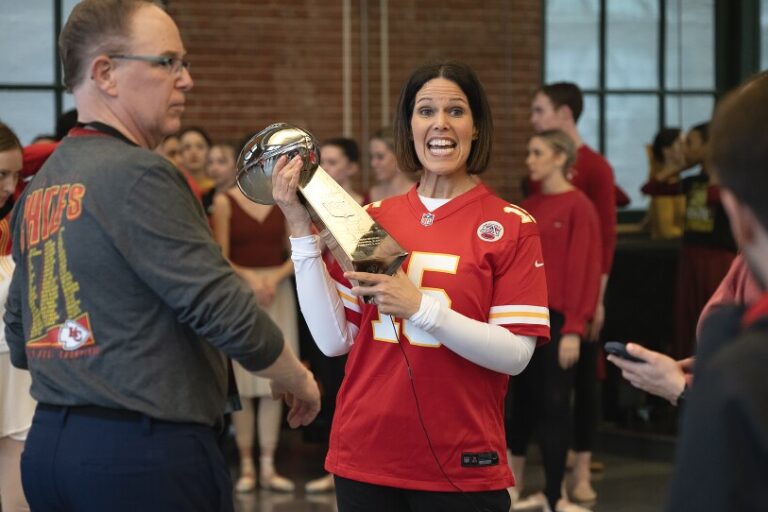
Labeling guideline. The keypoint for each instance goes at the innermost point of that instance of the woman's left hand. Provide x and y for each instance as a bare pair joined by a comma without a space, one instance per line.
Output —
394,295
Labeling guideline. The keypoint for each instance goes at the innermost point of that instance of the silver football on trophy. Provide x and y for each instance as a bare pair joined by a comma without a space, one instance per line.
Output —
260,154
348,231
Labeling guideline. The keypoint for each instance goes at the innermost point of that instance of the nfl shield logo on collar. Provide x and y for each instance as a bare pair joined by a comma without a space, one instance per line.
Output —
427,219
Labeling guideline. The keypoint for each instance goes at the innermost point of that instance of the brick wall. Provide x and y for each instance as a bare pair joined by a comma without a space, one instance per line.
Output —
259,61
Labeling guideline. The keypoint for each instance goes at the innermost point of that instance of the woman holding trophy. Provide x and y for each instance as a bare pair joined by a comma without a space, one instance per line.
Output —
419,417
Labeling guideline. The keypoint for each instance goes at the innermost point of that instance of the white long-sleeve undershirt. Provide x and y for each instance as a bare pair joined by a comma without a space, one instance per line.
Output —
487,345
319,301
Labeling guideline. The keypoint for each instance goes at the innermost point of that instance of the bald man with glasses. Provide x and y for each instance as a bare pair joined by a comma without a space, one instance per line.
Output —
122,306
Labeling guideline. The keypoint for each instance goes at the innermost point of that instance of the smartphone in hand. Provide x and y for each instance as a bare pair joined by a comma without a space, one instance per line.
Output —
618,348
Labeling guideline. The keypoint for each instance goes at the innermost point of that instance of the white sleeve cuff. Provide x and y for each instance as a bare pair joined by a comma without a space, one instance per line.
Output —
305,247
428,314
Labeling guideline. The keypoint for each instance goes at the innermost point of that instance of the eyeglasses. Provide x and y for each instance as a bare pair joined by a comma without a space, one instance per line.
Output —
172,64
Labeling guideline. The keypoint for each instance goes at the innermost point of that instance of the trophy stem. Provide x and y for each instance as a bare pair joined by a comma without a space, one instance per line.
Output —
353,237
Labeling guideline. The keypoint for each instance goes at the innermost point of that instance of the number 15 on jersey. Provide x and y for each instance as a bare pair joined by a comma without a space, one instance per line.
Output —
386,328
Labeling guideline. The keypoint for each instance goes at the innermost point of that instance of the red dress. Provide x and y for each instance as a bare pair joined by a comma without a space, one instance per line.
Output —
254,243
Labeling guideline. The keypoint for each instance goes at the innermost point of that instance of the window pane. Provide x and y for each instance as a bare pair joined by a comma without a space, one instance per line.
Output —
589,127
686,111
572,34
66,9
632,44
764,34
631,123
68,102
29,114
26,42
690,51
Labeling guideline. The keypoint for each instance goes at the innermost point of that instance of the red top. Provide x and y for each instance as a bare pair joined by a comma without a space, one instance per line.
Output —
737,287
256,244
570,243
757,311
196,190
622,199
478,254
592,174
654,187
34,156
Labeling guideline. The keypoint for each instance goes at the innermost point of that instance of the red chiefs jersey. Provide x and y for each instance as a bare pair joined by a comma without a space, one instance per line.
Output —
482,257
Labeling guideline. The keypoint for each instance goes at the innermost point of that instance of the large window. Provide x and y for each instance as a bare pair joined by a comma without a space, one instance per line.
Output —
642,64
31,94
763,34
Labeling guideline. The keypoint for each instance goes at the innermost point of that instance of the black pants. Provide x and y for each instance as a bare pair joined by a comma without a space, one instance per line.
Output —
585,398
541,406
354,496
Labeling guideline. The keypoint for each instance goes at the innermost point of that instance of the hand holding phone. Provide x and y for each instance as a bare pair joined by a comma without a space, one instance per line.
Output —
618,348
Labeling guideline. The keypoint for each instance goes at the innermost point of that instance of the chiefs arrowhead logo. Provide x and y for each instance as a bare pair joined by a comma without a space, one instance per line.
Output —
72,335
490,231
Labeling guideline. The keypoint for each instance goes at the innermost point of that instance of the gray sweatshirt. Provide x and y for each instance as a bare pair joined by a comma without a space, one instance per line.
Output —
121,298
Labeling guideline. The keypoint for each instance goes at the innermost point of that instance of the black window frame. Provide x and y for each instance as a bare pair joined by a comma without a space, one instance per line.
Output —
57,87
736,26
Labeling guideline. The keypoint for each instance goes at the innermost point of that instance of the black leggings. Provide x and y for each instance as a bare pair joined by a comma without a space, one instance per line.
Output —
541,404
354,496
585,398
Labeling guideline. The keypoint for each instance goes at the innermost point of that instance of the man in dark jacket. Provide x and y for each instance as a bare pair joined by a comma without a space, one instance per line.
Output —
722,461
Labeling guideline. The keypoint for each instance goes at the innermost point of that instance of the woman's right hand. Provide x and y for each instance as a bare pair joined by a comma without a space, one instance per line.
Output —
285,186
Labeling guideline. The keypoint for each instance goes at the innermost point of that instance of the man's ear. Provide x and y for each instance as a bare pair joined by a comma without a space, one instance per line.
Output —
565,113
102,74
743,220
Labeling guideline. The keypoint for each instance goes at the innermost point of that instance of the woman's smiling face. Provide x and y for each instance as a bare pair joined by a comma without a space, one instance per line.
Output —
443,127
